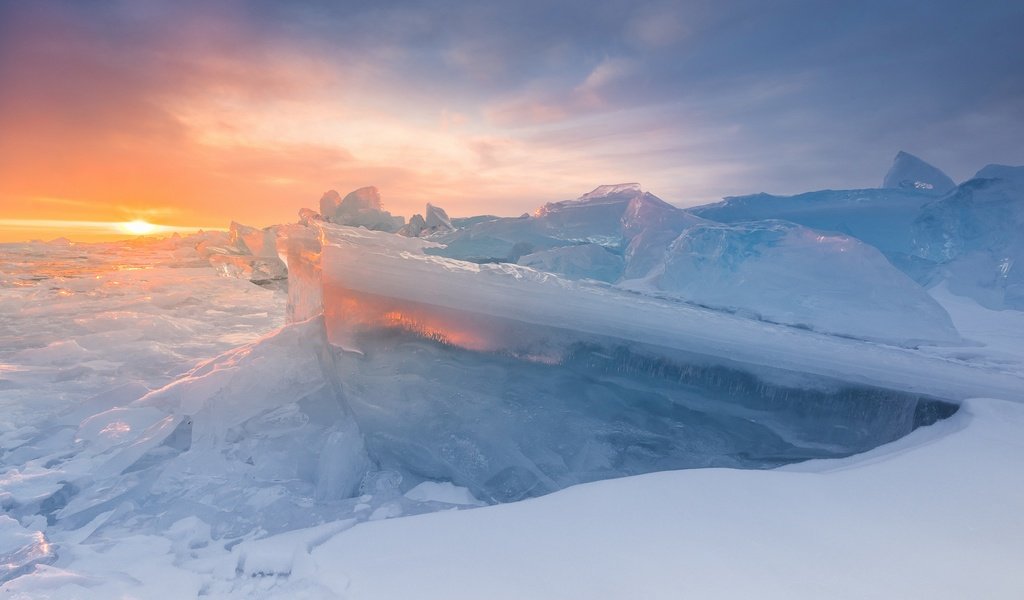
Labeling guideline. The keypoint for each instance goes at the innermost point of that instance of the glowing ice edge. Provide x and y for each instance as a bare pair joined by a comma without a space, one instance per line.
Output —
393,267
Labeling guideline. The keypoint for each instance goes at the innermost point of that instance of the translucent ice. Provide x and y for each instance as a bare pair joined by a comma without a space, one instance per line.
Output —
360,208
910,172
21,549
610,216
975,232
782,272
584,261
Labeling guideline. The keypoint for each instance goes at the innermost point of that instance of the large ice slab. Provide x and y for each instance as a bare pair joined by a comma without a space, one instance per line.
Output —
609,216
785,273
399,274
883,218
585,261
975,232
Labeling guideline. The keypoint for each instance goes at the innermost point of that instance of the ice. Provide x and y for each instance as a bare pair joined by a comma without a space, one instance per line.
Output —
975,233
883,218
302,254
431,384
910,172
502,380
261,271
609,216
435,223
785,273
436,219
414,227
257,242
471,305
249,439
21,549
1004,172
308,215
620,234
584,261
969,236
360,208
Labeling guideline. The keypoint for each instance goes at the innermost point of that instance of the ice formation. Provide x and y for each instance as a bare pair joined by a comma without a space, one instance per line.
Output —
261,243
910,172
584,261
21,549
360,208
435,223
620,234
975,233
502,380
437,219
883,218
786,273
969,236
408,381
491,307
609,216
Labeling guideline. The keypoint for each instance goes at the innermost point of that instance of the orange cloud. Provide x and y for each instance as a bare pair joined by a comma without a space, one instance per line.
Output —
188,118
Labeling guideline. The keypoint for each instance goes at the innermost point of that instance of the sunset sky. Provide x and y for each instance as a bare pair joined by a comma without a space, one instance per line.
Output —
195,113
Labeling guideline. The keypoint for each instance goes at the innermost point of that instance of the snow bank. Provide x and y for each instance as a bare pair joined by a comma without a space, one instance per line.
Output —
934,516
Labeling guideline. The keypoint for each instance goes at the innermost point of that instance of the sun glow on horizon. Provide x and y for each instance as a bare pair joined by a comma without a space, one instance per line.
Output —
22,230
137,227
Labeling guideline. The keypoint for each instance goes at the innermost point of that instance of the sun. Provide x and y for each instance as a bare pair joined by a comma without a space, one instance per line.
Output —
137,227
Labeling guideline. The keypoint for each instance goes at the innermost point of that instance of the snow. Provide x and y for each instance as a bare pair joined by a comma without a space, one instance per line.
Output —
919,516
910,172
443,491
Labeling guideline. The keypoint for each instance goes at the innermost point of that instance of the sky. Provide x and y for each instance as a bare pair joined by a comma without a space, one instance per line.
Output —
192,114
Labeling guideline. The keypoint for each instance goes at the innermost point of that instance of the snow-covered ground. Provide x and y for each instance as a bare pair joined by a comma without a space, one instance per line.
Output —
935,514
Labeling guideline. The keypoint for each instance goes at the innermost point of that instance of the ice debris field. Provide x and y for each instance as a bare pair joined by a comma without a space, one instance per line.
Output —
775,397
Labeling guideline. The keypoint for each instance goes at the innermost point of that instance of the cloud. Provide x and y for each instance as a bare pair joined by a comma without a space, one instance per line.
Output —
248,109
657,26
